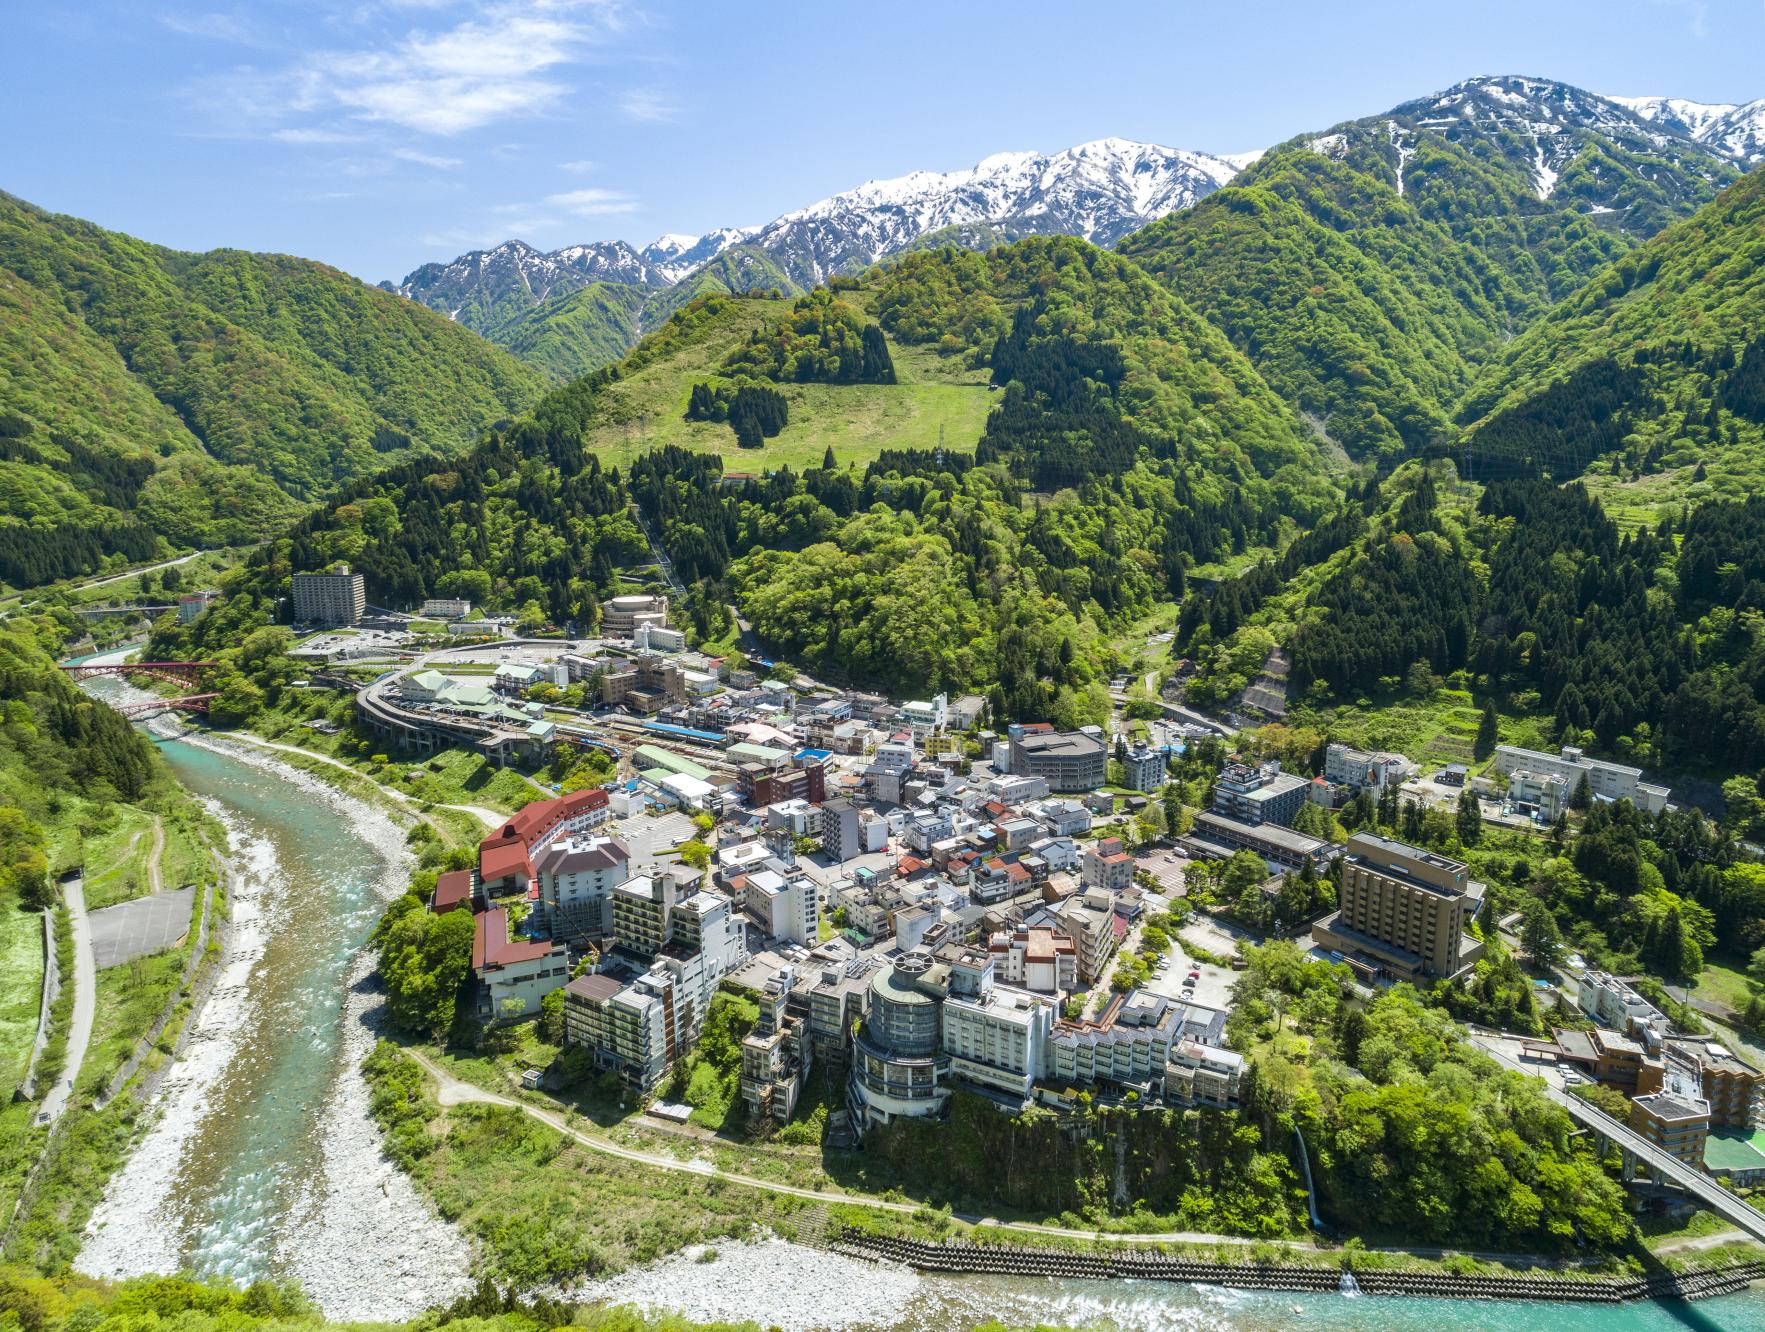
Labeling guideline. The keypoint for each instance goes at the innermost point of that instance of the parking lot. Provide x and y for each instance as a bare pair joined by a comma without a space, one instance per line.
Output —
1212,988
140,928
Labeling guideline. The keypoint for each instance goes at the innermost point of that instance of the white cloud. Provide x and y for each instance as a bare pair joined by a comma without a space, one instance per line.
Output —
420,70
577,168
647,106
313,136
427,159
211,27
593,203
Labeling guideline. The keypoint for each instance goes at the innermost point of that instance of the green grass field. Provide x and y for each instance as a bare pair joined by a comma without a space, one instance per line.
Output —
1723,984
130,998
935,400
1441,729
21,983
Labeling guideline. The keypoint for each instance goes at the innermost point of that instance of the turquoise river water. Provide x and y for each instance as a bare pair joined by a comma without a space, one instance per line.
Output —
263,1162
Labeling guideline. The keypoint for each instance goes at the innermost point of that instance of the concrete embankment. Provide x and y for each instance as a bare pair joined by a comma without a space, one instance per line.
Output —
953,1257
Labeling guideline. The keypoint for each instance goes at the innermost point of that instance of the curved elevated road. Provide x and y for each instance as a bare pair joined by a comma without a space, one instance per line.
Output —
1706,1190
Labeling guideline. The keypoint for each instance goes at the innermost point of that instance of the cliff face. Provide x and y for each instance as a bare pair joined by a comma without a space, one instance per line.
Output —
1199,1168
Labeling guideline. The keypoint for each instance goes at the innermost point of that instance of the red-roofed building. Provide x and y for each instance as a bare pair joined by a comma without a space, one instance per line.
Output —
523,969
505,858
1107,865
453,891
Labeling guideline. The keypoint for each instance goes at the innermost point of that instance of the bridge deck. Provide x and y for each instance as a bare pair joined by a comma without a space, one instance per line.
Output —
1706,1190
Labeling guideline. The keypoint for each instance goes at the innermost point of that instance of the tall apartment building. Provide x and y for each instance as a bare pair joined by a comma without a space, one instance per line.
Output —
1609,781
1401,910
1067,760
339,597
1677,1117
1256,793
995,1038
777,1052
898,1063
788,906
839,830
577,876
1143,767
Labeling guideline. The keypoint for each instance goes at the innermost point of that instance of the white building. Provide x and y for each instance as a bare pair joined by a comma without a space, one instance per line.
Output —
787,907
576,878
998,1037
927,717
446,608
1362,769
1547,792
1143,768
1062,818
514,971
1607,781
1035,958
649,636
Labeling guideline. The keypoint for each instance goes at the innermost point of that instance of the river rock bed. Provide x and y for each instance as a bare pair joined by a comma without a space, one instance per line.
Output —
367,1205
769,1282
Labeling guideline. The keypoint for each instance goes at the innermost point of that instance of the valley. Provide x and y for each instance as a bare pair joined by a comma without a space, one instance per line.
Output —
1114,708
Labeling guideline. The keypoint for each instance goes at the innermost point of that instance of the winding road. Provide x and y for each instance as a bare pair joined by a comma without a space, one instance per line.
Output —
85,982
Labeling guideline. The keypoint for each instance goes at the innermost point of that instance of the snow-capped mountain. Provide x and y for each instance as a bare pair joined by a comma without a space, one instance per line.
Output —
478,287
1100,191
676,256
1544,128
1736,132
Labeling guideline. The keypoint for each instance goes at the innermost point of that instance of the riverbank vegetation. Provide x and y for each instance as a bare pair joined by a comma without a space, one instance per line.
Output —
64,1303
79,787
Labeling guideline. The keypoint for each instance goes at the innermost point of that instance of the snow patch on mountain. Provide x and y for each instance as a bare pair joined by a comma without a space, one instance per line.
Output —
1737,132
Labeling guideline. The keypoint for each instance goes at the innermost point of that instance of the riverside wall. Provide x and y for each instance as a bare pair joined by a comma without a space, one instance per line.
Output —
953,1256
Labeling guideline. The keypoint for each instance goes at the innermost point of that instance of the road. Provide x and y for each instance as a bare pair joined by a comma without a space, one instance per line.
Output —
1700,1186
85,980
114,578
154,855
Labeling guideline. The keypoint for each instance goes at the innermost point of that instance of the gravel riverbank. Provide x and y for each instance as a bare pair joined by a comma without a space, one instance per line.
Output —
344,1223
365,1205
768,1282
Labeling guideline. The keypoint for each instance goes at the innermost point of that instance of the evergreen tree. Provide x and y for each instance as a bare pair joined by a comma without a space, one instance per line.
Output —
827,462
1468,821
1487,732
1582,797
1539,935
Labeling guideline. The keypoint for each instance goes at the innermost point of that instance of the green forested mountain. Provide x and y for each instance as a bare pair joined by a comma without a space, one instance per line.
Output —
146,392
1129,441
1371,270
1653,373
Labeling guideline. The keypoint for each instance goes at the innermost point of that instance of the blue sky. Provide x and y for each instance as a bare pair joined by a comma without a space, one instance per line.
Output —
380,134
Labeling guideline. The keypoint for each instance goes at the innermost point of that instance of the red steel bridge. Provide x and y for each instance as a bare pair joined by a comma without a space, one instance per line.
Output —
172,672
186,703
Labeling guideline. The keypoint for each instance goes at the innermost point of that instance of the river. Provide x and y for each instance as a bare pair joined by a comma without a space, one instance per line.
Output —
262,1160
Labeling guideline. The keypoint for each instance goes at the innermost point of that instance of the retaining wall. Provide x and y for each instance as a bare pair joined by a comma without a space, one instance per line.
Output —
1130,1265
